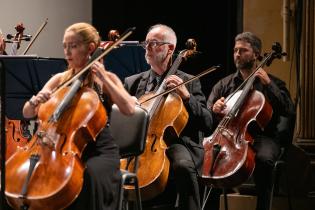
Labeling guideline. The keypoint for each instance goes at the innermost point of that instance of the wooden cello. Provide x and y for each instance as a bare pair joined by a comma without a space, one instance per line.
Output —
229,159
49,167
17,135
168,117
48,172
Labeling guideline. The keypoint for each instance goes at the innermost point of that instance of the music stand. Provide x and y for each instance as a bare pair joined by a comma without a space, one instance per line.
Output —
126,61
25,76
21,77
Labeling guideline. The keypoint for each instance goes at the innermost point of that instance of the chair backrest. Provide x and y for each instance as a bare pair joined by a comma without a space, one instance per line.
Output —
285,130
129,132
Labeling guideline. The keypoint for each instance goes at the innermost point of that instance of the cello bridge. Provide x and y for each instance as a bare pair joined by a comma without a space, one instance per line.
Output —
226,133
45,139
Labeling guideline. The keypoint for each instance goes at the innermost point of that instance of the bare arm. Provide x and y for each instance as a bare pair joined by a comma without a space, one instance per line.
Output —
114,87
31,107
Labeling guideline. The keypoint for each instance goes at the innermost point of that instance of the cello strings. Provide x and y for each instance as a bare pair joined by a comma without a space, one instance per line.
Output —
211,69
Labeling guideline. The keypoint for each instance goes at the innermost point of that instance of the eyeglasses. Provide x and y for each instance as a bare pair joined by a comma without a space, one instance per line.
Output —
152,44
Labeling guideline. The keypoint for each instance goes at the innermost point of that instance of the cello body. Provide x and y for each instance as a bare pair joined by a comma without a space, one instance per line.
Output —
17,135
47,173
229,159
169,119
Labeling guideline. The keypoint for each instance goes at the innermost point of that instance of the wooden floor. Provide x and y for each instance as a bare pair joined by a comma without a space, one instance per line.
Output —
237,201
248,202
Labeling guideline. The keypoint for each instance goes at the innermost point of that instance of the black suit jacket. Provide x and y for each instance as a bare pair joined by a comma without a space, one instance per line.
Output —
200,119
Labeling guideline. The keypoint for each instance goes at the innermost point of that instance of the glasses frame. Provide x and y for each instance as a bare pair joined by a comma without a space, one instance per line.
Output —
152,44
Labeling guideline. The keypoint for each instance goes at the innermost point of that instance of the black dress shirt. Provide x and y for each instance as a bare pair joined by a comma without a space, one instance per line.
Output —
275,93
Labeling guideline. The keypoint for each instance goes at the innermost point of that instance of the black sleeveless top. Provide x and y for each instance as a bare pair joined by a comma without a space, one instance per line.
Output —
104,144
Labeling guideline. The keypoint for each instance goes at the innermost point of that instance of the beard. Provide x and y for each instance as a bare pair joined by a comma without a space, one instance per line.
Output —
244,64
158,58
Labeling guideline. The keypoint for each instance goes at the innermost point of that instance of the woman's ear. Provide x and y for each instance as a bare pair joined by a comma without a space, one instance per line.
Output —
91,48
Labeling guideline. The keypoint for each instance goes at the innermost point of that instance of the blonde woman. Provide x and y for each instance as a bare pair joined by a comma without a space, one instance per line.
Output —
101,158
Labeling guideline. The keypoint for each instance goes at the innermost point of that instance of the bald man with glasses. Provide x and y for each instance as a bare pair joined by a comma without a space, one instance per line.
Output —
186,152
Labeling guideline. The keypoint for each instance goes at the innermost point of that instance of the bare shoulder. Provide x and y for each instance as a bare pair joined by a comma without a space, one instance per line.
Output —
56,80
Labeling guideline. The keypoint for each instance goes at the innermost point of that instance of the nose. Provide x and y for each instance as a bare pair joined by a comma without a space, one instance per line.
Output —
237,54
66,50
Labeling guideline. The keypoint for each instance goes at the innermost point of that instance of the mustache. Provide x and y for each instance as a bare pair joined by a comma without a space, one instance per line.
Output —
244,64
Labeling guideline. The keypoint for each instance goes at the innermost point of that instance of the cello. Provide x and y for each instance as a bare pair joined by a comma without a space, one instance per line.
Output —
17,135
168,117
48,172
49,167
229,159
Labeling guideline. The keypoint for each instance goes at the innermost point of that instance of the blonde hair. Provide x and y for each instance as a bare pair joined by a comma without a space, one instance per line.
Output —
87,32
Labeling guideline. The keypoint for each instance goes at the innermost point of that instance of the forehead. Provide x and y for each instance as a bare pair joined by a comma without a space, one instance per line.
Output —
71,36
155,34
242,44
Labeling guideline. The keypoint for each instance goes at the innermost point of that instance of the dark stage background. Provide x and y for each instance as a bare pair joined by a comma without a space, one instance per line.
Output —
213,24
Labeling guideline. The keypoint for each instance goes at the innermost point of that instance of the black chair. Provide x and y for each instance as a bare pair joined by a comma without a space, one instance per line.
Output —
285,132
129,133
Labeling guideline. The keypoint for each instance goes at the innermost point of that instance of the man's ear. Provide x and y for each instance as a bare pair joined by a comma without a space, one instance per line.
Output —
258,57
256,54
171,48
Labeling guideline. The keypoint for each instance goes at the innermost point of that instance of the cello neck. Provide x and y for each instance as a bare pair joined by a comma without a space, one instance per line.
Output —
172,70
267,60
247,86
154,105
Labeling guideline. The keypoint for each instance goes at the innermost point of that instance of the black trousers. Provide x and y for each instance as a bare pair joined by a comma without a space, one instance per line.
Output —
185,177
267,153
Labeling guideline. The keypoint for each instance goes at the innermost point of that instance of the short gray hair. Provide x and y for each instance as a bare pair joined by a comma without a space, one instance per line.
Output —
168,33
